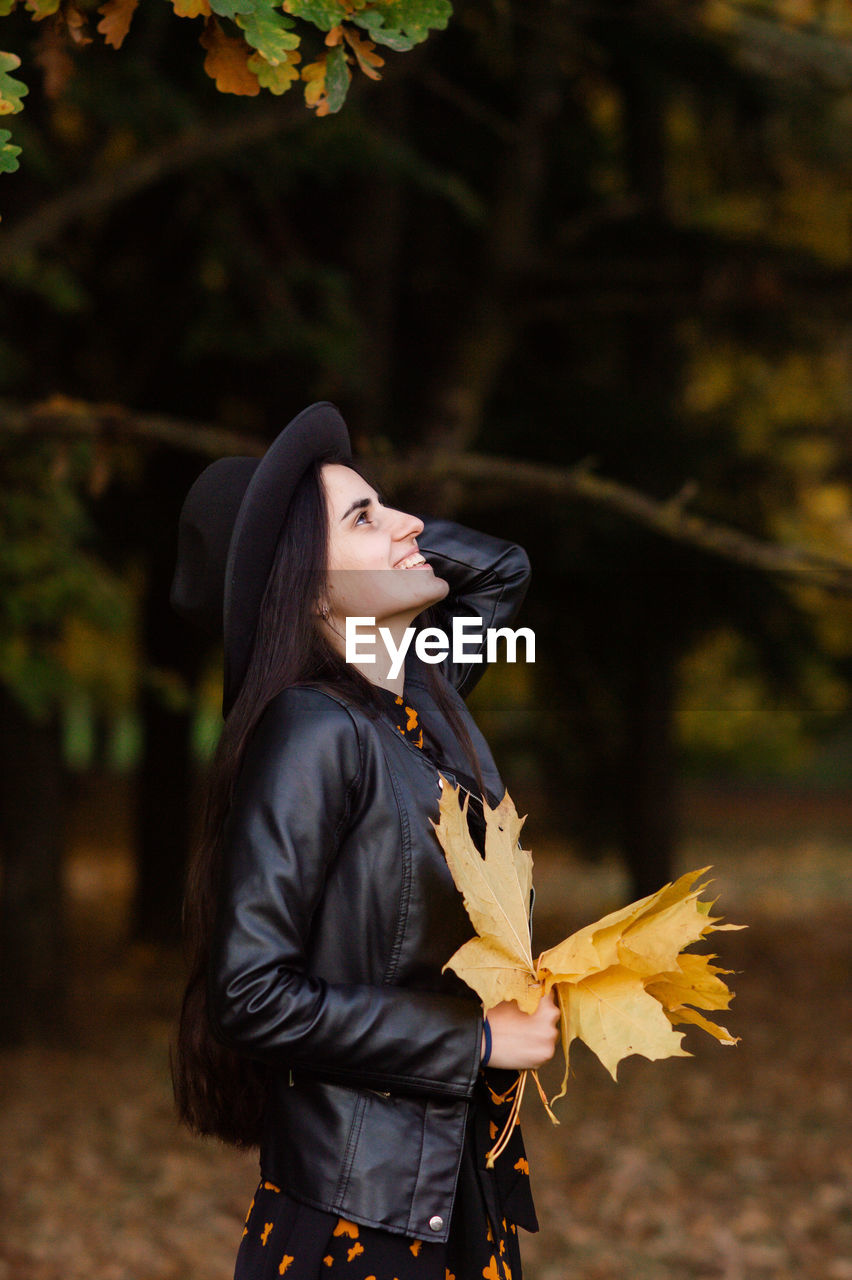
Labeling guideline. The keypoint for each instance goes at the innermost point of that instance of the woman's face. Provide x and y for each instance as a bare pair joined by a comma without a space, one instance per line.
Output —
375,569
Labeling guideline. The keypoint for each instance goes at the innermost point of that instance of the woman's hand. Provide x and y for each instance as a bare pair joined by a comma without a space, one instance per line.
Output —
523,1041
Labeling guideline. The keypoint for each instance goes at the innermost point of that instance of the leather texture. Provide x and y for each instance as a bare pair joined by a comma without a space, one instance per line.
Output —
337,912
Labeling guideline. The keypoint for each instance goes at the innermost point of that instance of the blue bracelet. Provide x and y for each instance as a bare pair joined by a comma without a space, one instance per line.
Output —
487,1029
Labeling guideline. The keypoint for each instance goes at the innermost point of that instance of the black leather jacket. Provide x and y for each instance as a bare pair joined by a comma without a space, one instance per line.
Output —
337,913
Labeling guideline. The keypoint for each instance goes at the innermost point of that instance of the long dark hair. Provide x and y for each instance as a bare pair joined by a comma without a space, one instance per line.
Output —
218,1091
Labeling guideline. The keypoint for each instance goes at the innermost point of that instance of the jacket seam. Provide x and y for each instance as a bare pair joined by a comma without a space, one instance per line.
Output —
414,1197
349,1152
405,888
356,781
418,1084
326,1207
467,1106
354,785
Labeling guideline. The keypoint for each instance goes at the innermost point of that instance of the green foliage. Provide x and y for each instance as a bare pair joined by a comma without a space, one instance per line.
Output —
731,719
270,33
8,153
50,578
250,44
11,93
233,8
337,78
324,14
403,23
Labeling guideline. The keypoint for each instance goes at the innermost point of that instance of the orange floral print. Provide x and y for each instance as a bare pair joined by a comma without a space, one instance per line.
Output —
411,723
500,1098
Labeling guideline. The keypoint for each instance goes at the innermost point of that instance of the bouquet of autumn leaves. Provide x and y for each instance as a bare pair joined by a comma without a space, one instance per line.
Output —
622,983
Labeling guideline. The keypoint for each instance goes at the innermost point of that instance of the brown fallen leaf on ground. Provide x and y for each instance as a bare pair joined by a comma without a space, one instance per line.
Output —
623,983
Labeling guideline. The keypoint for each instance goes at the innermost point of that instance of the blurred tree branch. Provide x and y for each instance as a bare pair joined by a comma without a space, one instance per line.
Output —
468,364
93,194
76,419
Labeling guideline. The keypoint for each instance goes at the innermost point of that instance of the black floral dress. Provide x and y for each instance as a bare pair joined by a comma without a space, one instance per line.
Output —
284,1238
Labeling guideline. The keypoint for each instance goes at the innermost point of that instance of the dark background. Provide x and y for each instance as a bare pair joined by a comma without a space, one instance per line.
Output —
614,237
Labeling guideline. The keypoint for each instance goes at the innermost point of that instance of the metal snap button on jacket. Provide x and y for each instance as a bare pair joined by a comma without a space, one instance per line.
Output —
436,1222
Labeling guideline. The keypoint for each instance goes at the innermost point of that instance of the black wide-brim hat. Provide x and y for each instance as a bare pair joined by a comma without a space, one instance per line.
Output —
229,528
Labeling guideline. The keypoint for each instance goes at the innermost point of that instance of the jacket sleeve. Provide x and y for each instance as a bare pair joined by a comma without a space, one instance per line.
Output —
488,581
294,796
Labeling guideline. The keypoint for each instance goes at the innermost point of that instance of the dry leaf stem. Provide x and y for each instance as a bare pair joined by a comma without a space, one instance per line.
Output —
511,1120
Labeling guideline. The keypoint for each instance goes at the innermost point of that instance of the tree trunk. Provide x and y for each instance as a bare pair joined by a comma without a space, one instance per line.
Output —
33,953
467,369
647,784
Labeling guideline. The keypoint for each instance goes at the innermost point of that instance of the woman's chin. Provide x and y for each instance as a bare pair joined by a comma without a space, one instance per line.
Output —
436,589
441,588
419,589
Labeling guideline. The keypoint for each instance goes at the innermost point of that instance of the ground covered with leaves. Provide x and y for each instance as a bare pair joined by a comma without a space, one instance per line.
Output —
733,1165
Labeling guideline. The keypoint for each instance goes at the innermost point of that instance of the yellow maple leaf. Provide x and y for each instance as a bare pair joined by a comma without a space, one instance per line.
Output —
615,1016
696,982
622,982
495,975
500,956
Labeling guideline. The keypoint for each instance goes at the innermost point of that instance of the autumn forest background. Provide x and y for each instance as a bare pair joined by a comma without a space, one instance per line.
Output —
578,274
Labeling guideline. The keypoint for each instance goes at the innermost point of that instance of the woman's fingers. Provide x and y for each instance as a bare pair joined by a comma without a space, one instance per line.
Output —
523,1041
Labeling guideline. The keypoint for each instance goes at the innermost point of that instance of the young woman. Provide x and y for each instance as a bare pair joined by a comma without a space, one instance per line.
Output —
317,1022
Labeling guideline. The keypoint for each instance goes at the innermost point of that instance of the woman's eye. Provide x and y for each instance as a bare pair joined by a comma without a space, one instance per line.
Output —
362,515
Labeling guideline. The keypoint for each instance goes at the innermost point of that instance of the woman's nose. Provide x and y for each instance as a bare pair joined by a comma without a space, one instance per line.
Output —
408,526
